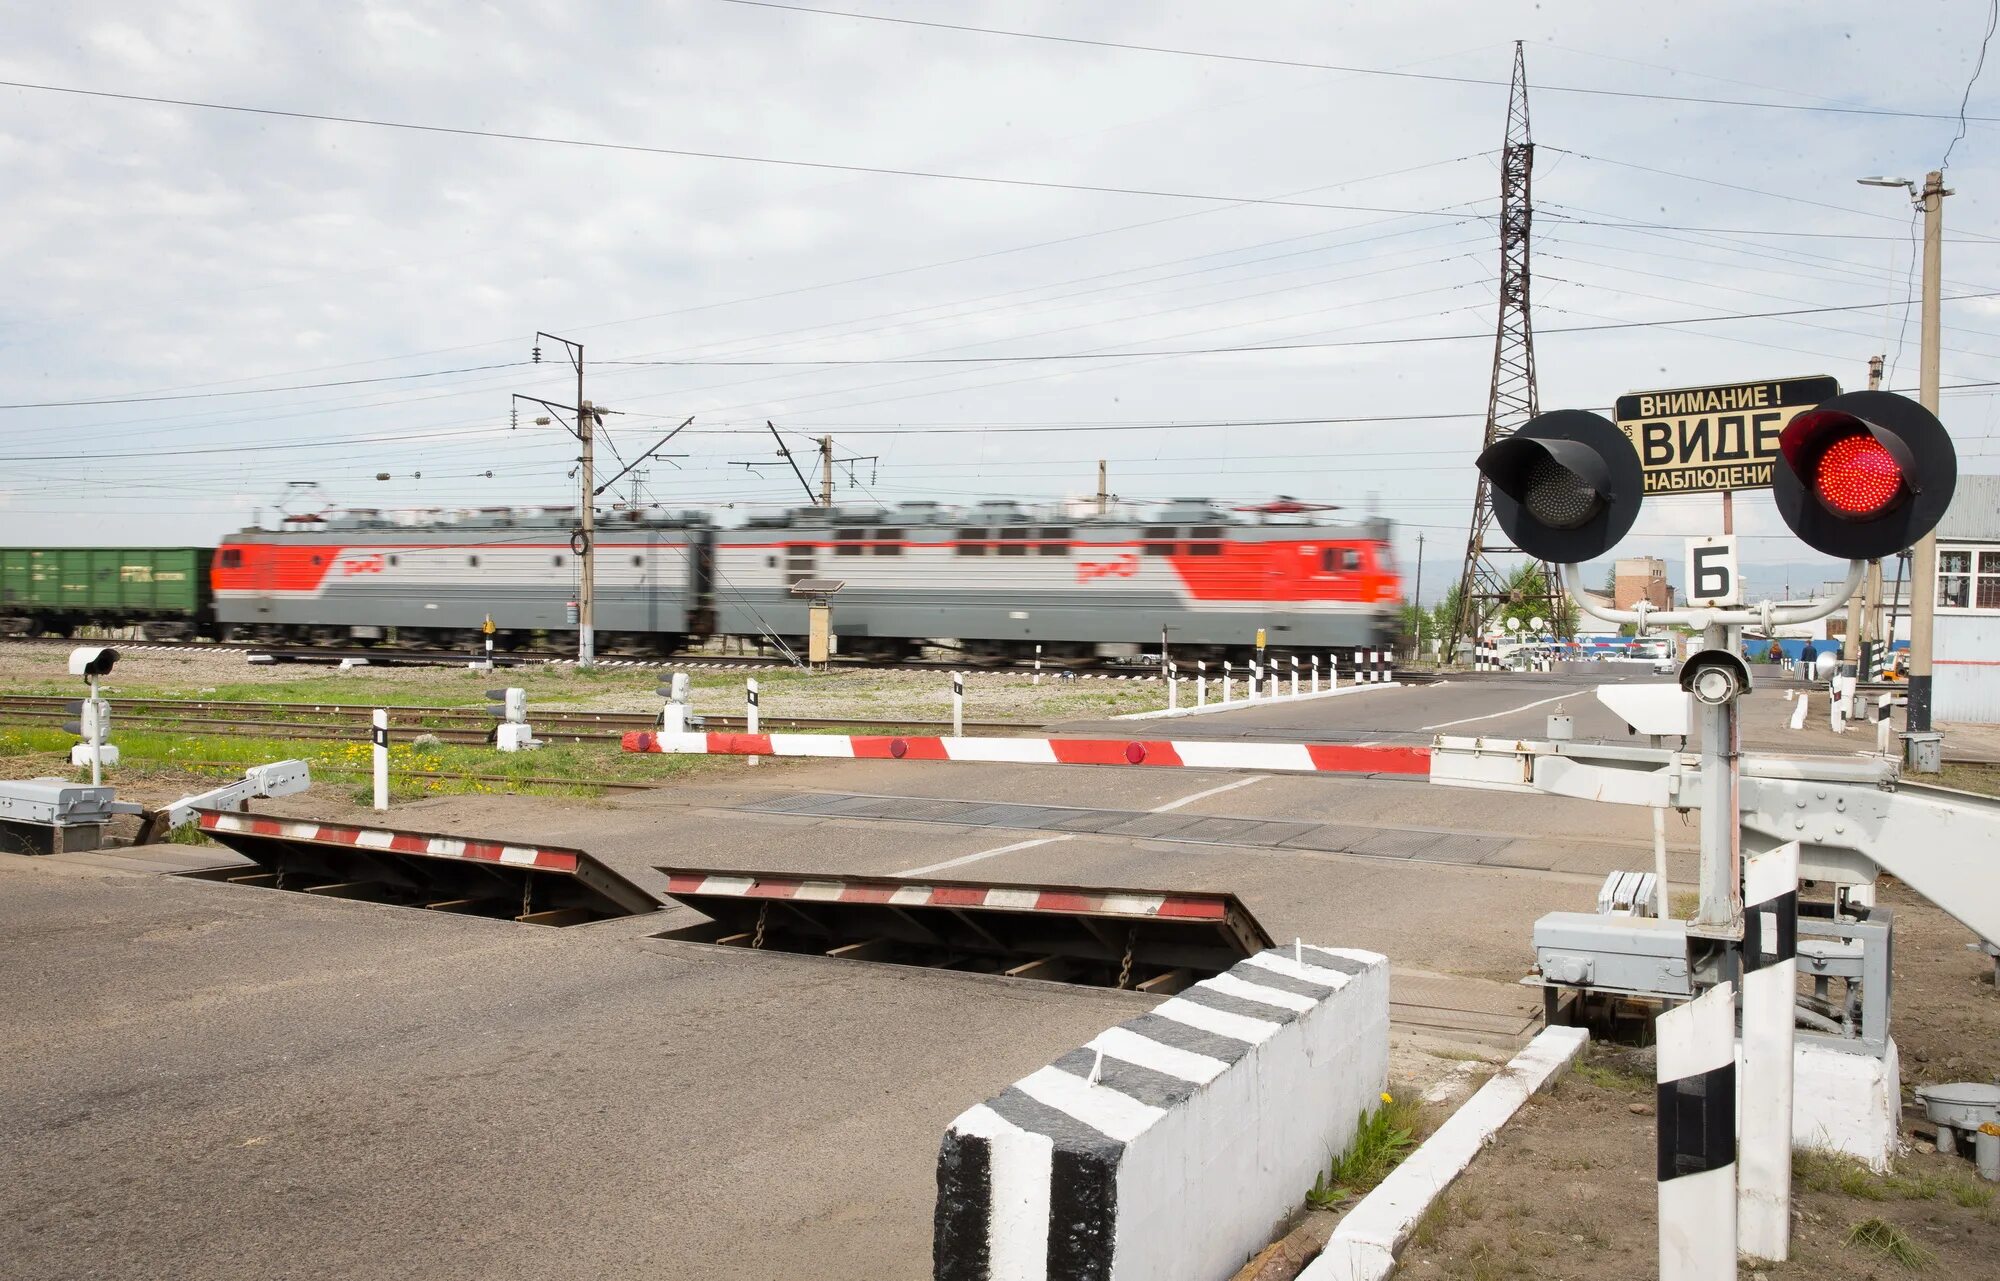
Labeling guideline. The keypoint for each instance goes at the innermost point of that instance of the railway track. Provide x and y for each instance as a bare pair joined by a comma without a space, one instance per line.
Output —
391,656
337,721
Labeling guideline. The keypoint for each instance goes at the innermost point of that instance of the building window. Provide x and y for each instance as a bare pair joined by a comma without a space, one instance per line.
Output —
972,542
1968,579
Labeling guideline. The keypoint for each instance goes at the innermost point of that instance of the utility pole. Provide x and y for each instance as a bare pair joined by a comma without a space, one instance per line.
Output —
1103,498
584,541
826,471
1863,613
1923,564
1417,598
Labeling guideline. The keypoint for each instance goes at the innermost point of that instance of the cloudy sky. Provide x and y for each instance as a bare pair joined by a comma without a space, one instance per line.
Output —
203,307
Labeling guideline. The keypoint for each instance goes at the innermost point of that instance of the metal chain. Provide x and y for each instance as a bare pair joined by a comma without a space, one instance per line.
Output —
757,935
1125,967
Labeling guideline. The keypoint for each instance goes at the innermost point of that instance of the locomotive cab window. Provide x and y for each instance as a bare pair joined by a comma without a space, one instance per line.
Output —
972,542
1013,542
1339,559
232,558
1205,540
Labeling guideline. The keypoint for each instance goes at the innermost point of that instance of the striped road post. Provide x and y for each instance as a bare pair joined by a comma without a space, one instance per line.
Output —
958,703
379,731
1256,679
1697,1137
1038,665
1770,987
1201,682
1314,660
1173,688
750,704
1225,681
1295,676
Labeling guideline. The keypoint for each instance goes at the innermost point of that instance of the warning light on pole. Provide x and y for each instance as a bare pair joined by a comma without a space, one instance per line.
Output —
1566,486
1864,475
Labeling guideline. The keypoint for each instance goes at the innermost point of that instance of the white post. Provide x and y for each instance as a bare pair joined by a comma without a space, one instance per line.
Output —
1885,725
1271,685
1770,988
1660,861
750,705
1696,1064
1173,688
1256,679
1225,681
1315,673
1038,665
380,722
1333,669
958,701
1295,676
94,722
1799,712
1201,682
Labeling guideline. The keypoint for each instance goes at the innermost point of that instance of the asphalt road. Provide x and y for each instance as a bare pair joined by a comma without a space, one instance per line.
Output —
211,1081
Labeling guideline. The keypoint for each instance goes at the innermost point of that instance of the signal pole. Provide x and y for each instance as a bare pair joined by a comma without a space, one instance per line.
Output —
584,541
1103,498
1923,565
826,471
1863,614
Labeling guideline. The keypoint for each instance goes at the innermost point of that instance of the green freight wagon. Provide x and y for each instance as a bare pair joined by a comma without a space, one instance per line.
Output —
60,589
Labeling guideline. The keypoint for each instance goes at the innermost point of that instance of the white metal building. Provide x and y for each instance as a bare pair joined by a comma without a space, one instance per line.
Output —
1966,686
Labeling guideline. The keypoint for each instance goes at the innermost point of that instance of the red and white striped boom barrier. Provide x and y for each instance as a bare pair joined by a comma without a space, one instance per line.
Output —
1334,758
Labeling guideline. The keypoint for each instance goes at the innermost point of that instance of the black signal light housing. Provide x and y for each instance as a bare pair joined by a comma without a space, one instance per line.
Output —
1566,486
1864,475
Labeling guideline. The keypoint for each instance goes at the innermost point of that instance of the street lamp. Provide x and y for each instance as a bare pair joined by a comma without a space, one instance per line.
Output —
1923,565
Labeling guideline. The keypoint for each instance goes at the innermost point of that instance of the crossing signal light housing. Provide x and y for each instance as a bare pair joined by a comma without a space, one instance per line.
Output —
1864,475
1566,486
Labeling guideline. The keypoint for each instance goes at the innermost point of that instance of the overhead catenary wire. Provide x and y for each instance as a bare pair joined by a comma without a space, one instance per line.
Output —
1348,69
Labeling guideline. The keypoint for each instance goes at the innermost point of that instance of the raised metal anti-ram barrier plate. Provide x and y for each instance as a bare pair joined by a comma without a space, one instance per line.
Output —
1138,939
533,884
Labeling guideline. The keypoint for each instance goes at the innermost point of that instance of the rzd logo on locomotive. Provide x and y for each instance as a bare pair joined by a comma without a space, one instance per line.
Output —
1123,566
362,565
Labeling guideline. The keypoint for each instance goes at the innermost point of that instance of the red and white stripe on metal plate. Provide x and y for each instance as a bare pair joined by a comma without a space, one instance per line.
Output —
1192,753
376,838
1016,898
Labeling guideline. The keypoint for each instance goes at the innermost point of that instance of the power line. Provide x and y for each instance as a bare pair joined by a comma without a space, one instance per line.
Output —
500,135
257,391
1992,20
1358,71
1288,346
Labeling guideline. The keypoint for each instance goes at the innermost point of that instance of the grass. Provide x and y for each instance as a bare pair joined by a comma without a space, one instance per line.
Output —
1825,1172
1983,779
1879,1236
1381,1140
1610,1076
575,766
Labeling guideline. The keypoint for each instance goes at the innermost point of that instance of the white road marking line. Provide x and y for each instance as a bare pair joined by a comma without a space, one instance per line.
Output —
963,859
1509,712
1213,791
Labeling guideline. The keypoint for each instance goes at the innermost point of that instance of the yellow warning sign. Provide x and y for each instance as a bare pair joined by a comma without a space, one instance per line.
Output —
1697,440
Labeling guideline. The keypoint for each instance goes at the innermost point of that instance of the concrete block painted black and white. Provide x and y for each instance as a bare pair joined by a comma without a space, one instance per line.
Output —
1173,1145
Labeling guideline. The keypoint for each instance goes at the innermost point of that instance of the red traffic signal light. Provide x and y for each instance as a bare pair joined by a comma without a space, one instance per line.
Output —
1566,486
1864,475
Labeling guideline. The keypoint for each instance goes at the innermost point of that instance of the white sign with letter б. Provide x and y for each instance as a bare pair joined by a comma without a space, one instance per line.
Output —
1712,578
